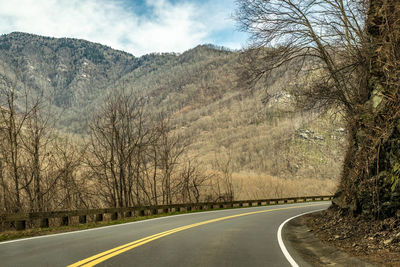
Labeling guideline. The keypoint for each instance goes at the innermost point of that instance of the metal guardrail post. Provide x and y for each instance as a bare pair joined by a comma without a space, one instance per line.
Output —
64,221
20,225
44,223
99,217
82,219
114,216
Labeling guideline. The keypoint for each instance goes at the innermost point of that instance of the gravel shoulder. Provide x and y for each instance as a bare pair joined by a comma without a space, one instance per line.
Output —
308,250
326,238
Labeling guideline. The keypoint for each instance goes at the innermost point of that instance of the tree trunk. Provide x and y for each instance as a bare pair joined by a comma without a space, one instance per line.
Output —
370,180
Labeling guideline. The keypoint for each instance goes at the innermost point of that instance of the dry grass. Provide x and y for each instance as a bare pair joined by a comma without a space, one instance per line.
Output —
259,186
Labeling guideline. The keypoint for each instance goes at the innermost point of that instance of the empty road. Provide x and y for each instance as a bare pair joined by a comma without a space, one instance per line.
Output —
233,237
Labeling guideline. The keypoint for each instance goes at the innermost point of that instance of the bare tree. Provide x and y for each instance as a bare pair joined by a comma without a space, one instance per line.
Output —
322,37
347,54
36,139
15,110
26,132
224,187
171,147
192,181
66,186
117,141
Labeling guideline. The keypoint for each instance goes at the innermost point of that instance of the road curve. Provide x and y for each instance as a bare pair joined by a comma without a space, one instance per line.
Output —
233,237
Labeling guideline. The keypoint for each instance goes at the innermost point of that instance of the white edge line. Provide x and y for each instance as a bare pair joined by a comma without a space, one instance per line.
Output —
141,221
280,241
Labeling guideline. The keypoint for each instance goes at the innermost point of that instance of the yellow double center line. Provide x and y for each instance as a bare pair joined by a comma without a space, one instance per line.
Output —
96,259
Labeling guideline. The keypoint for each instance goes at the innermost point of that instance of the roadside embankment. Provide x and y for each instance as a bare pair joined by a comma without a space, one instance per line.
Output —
307,249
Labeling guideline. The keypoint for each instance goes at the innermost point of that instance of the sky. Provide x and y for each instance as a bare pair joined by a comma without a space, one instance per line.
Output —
135,26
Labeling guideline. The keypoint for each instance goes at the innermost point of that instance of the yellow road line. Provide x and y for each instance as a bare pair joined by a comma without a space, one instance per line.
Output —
96,259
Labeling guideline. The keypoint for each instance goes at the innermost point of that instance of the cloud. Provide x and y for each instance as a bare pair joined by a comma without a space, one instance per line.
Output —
165,26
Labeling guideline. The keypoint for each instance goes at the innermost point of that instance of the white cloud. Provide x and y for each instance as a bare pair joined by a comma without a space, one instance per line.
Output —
172,27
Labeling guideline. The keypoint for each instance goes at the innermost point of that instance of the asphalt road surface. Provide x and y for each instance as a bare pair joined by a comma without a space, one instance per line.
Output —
233,237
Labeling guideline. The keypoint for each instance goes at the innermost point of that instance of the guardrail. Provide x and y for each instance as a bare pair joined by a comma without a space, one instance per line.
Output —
21,221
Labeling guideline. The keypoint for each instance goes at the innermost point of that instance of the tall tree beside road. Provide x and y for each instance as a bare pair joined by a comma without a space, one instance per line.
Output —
117,139
349,53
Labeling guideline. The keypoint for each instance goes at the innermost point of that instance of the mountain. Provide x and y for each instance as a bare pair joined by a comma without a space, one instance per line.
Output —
77,73
75,69
199,90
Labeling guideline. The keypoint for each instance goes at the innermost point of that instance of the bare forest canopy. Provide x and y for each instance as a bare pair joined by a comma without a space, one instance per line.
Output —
83,125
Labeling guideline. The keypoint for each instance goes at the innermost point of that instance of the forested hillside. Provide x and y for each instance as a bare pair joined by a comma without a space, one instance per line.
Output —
252,143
